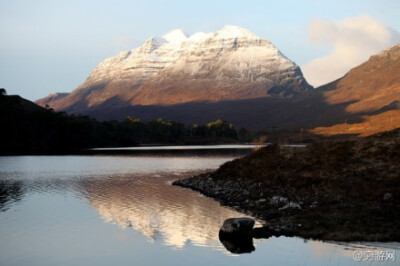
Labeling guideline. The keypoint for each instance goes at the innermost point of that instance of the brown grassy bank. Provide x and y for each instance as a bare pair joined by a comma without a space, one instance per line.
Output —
336,190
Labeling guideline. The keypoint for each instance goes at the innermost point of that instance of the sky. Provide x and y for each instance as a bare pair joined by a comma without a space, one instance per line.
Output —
52,46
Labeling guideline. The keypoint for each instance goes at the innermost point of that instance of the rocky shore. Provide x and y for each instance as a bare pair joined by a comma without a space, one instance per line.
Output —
337,190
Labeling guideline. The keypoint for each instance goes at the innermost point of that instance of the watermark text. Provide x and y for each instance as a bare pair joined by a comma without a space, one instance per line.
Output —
374,255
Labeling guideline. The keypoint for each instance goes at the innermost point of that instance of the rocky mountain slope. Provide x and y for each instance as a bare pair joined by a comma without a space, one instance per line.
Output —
230,64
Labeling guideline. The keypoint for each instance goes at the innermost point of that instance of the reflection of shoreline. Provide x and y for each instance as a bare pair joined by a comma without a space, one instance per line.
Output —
324,249
10,192
159,211
183,147
196,153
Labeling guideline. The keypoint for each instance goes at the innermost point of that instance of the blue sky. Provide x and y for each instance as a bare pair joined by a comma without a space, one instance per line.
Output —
49,45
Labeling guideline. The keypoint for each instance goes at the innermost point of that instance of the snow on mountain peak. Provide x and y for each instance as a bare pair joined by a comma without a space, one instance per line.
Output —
227,32
242,55
175,36
231,63
198,36
230,31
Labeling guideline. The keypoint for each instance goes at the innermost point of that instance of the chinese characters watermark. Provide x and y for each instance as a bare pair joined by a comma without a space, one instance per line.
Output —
374,255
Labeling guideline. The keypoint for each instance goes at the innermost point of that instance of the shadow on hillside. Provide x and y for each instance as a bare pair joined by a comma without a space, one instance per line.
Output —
307,111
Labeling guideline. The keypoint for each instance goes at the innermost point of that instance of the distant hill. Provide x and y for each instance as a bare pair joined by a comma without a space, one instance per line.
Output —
51,98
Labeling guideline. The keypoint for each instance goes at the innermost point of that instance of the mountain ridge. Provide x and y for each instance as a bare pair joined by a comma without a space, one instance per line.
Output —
364,101
310,110
229,64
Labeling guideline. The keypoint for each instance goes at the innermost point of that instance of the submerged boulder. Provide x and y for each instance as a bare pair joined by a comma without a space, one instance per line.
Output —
236,235
237,245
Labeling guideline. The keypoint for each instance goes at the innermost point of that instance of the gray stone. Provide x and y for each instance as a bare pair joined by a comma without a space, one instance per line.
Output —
278,200
387,196
291,205
238,226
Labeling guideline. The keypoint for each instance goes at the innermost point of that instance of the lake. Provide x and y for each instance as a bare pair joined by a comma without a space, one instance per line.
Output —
118,207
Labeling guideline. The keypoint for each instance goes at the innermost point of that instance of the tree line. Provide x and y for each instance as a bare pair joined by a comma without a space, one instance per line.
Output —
30,129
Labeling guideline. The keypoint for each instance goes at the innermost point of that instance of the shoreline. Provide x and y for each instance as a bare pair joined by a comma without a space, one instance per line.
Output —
338,191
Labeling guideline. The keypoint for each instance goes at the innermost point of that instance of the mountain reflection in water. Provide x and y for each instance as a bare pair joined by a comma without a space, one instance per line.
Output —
95,210
149,204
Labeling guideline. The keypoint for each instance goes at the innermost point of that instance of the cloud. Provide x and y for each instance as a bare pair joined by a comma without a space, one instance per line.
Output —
353,41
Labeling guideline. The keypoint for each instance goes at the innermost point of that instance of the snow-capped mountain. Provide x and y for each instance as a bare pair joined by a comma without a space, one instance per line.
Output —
230,64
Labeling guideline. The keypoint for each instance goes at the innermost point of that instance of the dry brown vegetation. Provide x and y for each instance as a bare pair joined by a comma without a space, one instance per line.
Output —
347,190
372,124
370,86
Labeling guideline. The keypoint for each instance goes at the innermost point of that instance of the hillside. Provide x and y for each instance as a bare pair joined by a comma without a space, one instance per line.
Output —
372,88
30,129
51,98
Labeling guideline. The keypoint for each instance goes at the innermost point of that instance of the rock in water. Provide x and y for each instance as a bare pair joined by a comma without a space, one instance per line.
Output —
237,245
238,226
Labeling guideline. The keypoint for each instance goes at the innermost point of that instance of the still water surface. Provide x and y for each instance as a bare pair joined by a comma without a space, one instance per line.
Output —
122,210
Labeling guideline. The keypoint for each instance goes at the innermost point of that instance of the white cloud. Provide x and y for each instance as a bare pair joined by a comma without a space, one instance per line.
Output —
353,41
